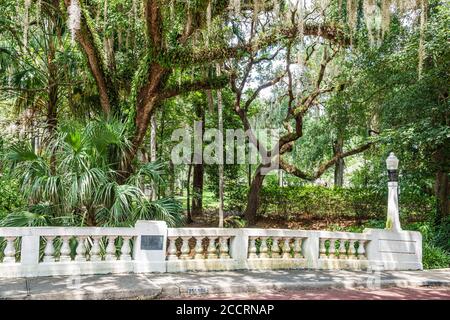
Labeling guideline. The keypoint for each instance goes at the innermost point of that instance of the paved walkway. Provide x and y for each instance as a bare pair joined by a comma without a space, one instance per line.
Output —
191,285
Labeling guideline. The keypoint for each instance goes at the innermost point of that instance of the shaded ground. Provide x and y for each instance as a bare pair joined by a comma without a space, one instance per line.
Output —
421,293
210,219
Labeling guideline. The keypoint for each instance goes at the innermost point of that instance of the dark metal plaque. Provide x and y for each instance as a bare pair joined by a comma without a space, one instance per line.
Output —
152,242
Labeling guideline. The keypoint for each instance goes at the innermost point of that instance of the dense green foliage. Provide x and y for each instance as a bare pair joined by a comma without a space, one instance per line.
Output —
73,181
87,112
320,202
10,197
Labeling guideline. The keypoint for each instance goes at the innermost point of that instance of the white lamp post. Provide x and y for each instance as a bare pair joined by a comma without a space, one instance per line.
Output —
393,217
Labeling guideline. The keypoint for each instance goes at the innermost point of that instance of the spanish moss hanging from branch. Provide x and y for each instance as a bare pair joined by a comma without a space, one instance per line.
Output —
208,21
105,15
26,22
74,18
256,9
385,16
134,11
352,14
236,6
276,8
423,21
38,10
370,10
301,28
171,9
300,17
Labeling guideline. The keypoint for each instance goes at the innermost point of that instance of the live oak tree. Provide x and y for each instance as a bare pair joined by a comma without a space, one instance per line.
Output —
167,48
140,54
165,51
298,101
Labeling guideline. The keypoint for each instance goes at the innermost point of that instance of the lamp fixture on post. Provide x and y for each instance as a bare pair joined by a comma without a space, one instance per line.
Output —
393,216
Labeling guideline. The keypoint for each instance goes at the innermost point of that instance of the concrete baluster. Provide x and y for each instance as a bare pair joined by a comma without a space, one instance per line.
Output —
263,249
286,248
125,251
111,249
362,250
95,250
49,251
298,248
323,249
10,251
334,253
172,250
224,254
185,250
65,249
81,249
212,251
252,248
351,249
199,251
275,248
342,250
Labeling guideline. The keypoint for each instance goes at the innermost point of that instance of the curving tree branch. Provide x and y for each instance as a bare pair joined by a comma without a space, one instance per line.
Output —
289,168
87,37
203,84
180,57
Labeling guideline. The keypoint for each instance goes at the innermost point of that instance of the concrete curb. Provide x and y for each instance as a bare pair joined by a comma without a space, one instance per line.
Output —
190,286
183,291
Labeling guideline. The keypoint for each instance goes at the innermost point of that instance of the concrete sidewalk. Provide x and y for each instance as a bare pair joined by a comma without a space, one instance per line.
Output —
188,285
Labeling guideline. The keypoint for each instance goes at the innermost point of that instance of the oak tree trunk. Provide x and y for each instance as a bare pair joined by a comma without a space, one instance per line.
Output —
171,179
221,173
338,147
254,196
153,150
442,182
442,195
197,183
188,197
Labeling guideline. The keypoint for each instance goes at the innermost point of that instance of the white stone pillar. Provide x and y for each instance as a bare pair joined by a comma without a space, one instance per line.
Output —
150,259
239,246
311,249
30,252
393,215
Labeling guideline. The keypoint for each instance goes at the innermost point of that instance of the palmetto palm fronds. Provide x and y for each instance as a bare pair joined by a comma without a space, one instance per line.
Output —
76,175
166,209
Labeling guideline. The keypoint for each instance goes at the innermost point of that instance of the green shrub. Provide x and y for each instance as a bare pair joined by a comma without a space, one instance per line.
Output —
10,197
435,257
322,202
443,235
434,239
236,198
234,222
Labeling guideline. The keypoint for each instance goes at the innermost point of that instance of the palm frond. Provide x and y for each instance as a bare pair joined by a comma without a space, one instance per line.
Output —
165,209
26,219
148,172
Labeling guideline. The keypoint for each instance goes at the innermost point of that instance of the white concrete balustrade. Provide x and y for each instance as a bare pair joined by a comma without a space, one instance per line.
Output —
152,247
199,249
343,250
48,251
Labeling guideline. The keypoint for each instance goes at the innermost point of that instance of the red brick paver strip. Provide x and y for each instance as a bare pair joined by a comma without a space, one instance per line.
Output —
422,293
